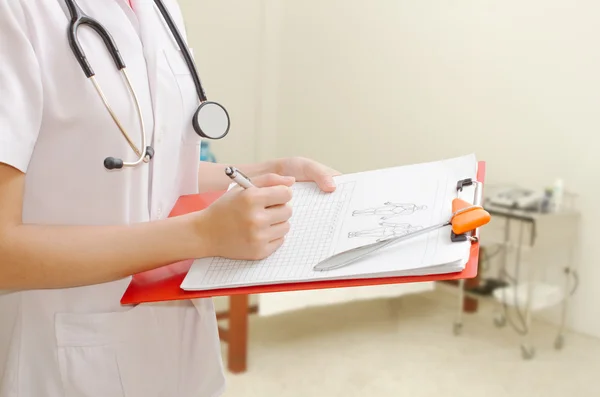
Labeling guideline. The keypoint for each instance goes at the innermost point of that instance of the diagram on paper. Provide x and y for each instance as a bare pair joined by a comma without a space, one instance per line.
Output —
385,231
390,210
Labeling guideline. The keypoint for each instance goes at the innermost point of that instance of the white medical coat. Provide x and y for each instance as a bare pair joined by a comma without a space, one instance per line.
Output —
80,341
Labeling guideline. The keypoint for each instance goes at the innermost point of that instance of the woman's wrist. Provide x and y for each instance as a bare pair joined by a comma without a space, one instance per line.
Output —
193,235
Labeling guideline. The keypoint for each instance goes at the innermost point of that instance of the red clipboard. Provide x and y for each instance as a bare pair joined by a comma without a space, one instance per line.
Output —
163,284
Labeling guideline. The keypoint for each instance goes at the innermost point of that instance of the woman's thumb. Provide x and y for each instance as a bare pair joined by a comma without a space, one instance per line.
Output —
325,183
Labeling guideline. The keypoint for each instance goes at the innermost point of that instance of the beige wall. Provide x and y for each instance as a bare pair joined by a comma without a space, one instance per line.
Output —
404,81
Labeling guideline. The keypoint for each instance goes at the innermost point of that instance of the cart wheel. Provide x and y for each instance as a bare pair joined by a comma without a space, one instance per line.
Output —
559,342
527,352
500,320
457,328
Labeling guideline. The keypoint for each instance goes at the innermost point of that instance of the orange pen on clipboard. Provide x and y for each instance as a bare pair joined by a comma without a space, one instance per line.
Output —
465,218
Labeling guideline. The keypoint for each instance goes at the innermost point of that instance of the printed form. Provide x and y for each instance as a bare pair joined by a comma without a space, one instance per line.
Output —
366,207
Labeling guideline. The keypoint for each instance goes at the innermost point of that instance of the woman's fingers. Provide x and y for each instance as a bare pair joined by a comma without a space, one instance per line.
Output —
279,231
279,213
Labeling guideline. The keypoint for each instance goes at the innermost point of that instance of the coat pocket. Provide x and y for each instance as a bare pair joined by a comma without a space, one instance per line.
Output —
183,82
116,354
90,371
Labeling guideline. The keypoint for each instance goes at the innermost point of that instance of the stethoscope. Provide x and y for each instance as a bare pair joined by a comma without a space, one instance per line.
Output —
211,120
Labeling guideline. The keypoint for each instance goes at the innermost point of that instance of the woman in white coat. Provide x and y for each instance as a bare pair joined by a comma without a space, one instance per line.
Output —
72,232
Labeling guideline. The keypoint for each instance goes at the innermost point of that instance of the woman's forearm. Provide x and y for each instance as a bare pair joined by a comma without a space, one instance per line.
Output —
211,176
36,257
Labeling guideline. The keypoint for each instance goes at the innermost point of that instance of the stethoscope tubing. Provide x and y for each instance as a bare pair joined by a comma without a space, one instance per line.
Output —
78,19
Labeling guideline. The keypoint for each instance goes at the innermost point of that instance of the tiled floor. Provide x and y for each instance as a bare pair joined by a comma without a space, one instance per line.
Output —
405,347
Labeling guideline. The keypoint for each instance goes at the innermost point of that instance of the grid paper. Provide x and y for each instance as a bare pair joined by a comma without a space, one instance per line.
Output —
311,236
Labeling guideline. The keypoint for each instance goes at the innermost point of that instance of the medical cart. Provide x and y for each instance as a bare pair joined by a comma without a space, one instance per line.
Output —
535,273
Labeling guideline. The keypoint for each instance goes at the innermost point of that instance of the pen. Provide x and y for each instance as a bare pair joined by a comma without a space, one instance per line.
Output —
238,177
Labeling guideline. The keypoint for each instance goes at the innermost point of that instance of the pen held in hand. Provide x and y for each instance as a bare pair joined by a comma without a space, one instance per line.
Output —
238,177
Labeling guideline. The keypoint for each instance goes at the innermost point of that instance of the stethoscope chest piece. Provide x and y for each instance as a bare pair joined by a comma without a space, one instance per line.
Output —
211,120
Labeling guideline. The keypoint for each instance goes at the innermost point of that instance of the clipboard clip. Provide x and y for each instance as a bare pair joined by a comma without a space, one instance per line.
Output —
472,233
465,221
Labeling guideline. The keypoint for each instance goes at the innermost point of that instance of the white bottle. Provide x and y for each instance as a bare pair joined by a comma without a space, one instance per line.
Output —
557,195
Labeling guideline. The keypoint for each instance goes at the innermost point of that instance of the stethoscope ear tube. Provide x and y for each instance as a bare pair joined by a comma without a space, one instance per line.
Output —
112,163
78,18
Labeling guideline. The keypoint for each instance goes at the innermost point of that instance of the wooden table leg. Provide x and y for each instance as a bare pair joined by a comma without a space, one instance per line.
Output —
237,335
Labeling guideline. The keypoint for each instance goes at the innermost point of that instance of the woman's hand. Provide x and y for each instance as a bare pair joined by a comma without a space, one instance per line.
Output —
251,224
247,224
307,170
